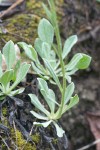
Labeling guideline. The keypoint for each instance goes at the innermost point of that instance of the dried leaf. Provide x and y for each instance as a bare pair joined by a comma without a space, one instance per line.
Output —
94,122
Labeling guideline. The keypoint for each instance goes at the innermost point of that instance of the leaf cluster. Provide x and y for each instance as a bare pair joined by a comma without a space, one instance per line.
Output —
49,62
15,71
47,51
52,115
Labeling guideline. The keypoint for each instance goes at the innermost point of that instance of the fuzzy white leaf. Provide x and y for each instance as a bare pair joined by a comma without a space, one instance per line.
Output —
52,73
15,92
9,54
74,61
36,69
38,116
68,93
37,104
69,43
44,124
73,101
47,93
0,64
22,72
29,51
45,31
59,130
6,78
38,46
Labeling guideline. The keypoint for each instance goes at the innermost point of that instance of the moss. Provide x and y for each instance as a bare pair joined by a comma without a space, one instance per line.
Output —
4,111
23,26
36,138
4,118
55,141
17,136
35,6
20,141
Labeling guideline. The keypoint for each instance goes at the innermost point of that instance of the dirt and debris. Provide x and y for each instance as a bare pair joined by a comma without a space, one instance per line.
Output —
83,18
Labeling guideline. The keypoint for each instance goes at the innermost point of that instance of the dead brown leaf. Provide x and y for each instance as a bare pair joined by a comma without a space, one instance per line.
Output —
94,122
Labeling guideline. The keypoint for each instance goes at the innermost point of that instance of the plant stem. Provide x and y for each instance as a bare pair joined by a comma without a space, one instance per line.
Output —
59,46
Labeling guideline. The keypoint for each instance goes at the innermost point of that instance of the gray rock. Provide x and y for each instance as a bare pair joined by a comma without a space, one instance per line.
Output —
5,3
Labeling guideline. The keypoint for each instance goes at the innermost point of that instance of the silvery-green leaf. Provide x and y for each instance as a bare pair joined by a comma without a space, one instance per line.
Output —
43,69
52,82
36,69
1,87
53,63
50,101
98,1
43,85
29,51
68,78
52,73
53,60
47,11
2,96
53,54
0,64
37,104
52,97
59,71
74,61
72,72
15,92
47,93
68,93
59,130
69,43
40,72
84,62
0,59
16,67
46,48
45,31
6,78
44,124
38,46
9,54
38,116
73,101
46,77
22,72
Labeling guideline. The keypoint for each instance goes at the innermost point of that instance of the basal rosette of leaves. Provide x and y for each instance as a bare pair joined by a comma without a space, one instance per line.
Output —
15,71
46,50
51,66
52,115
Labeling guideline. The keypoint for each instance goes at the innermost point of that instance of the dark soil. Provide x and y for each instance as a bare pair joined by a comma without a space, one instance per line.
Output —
81,18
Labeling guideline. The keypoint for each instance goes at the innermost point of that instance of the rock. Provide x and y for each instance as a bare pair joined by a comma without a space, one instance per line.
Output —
6,3
88,95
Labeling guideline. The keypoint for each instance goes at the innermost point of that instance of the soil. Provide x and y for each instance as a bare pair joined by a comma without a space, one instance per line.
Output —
76,17
83,18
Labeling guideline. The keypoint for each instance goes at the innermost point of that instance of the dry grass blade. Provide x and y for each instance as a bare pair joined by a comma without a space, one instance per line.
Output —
11,7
